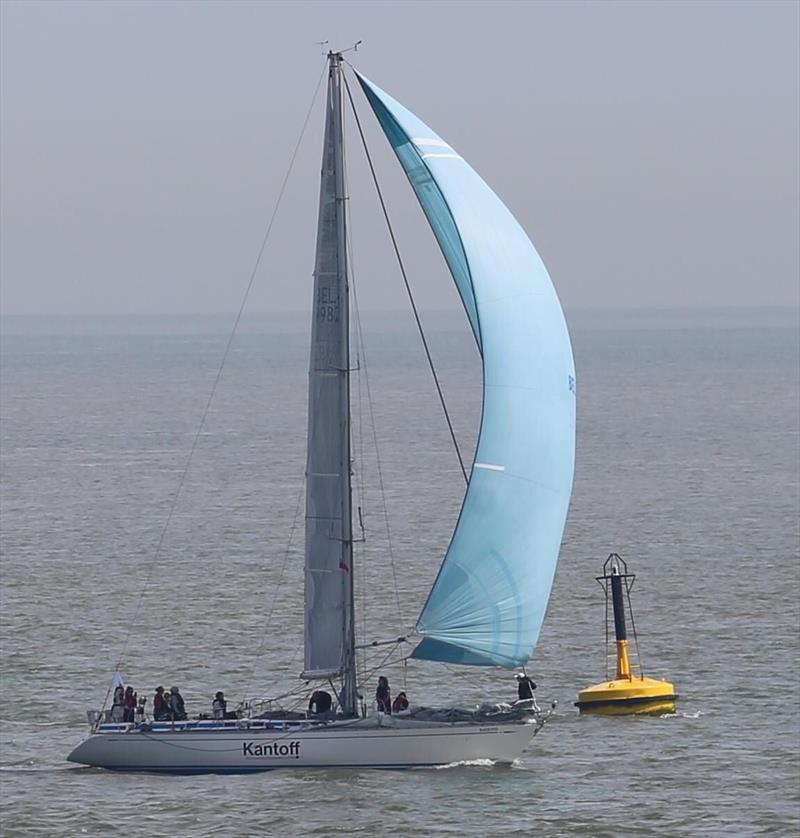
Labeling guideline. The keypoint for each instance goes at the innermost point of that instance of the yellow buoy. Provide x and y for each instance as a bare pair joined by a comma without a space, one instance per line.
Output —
627,693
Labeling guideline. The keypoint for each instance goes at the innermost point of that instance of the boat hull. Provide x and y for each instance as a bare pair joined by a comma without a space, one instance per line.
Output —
333,746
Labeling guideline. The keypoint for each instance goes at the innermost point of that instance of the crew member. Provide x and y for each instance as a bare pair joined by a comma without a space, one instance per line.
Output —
525,687
177,711
160,706
383,695
320,702
400,703
129,703
219,706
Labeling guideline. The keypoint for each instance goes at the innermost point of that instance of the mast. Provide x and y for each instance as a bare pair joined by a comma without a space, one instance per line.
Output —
329,617
349,688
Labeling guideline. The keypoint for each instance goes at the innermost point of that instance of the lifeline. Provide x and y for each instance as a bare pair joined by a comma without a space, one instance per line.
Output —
271,749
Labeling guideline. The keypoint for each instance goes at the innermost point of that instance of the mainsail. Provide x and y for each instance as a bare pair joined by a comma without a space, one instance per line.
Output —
489,599
328,549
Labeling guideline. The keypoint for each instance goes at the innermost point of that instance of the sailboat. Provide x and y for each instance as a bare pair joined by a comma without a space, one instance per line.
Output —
488,600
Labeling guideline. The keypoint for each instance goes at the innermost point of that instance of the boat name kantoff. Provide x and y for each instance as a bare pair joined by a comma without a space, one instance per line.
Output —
271,749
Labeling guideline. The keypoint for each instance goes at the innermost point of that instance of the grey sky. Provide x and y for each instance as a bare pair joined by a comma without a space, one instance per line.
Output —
649,149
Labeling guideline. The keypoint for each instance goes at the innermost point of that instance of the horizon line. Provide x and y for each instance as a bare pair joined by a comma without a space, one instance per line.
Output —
437,311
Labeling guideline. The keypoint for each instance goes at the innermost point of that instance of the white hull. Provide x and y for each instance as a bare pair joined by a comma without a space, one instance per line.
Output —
352,745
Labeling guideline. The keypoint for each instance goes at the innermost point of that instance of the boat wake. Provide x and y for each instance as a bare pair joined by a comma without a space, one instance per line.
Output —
462,763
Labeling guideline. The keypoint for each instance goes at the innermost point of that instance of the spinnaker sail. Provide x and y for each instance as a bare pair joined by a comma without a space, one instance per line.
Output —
488,602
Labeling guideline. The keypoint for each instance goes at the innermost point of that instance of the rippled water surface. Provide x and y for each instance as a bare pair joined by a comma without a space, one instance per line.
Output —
687,466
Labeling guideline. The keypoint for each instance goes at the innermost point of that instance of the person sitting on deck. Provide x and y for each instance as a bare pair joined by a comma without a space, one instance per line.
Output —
160,706
383,695
320,703
177,711
400,703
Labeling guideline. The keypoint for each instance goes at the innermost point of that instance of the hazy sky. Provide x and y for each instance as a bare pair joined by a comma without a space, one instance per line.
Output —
650,149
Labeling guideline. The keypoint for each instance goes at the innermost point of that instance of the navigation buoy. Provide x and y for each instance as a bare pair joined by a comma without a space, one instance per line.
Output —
627,693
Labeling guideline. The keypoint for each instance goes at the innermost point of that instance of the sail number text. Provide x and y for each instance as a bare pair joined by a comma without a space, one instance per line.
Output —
328,305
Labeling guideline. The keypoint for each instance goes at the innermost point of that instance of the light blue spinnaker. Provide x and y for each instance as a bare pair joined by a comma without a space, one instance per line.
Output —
489,599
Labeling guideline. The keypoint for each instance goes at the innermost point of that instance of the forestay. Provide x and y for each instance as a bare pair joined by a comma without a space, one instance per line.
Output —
489,599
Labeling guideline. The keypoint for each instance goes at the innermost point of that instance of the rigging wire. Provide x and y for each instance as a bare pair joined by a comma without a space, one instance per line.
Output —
217,377
361,356
385,663
301,690
268,621
362,492
359,547
378,461
406,282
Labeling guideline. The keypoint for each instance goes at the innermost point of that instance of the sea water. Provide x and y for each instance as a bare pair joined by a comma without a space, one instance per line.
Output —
687,466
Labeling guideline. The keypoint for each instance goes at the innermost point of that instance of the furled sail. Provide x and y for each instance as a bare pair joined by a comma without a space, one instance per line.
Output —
328,576
488,602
